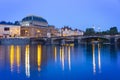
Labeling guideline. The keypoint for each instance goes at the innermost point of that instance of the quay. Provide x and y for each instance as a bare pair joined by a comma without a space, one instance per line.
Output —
19,40
62,40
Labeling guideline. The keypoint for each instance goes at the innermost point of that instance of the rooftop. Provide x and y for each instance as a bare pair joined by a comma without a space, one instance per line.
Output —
34,18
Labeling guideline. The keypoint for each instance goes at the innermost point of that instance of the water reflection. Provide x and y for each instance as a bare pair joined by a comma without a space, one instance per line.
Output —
40,61
62,56
18,58
99,58
94,57
39,53
93,53
65,55
27,61
11,58
55,53
69,58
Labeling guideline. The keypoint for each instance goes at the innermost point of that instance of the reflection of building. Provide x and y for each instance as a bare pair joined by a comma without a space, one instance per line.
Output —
67,31
9,31
34,26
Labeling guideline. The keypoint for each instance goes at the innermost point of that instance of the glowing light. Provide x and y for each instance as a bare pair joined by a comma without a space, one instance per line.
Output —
55,52
69,59
26,31
72,45
27,61
99,58
39,53
11,57
38,31
63,58
93,52
60,53
18,58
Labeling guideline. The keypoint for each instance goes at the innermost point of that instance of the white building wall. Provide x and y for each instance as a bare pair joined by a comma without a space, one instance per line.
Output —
14,31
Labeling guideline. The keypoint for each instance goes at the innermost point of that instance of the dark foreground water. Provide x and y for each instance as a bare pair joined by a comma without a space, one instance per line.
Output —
69,62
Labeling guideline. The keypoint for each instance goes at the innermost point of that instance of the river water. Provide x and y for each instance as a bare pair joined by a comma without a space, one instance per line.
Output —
68,62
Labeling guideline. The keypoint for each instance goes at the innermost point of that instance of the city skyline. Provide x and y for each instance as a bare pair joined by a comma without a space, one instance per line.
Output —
79,14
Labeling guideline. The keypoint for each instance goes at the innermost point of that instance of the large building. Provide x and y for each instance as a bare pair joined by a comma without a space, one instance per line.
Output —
35,26
9,31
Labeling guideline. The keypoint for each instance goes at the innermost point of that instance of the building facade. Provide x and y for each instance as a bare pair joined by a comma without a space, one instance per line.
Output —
35,26
67,31
9,31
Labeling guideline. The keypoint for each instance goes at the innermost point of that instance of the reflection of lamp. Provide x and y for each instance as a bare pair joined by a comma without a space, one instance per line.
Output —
93,52
69,61
62,56
39,53
55,52
27,61
11,57
18,57
99,59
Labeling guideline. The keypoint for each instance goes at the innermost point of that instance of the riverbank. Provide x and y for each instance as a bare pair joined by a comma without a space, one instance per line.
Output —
19,40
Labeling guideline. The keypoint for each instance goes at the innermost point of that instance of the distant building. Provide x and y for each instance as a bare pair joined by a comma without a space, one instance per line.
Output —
53,31
9,31
67,31
78,32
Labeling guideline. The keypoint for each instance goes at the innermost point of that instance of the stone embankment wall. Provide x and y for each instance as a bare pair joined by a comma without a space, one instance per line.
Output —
14,41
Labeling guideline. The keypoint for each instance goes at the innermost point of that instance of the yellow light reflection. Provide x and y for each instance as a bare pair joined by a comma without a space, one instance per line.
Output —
55,52
62,56
27,61
99,58
39,53
11,57
69,59
93,52
72,45
60,53
18,58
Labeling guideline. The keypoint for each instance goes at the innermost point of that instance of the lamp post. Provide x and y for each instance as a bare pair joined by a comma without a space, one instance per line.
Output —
99,30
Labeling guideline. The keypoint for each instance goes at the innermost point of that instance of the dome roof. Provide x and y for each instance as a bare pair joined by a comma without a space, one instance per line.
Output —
34,18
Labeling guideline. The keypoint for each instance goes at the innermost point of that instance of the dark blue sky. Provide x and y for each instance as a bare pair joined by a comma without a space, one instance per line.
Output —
75,13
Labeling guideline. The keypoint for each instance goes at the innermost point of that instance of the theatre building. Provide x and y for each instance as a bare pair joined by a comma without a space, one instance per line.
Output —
35,26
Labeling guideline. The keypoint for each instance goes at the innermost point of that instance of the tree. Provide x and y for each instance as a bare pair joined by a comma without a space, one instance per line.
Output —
90,31
107,32
113,31
3,22
16,23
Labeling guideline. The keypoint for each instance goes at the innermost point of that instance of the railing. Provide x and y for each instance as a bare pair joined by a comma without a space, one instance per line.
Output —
79,36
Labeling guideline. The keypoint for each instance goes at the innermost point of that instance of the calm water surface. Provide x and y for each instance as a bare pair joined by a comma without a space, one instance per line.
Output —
69,62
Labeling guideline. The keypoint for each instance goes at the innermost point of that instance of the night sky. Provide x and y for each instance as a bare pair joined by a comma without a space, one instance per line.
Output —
75,13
